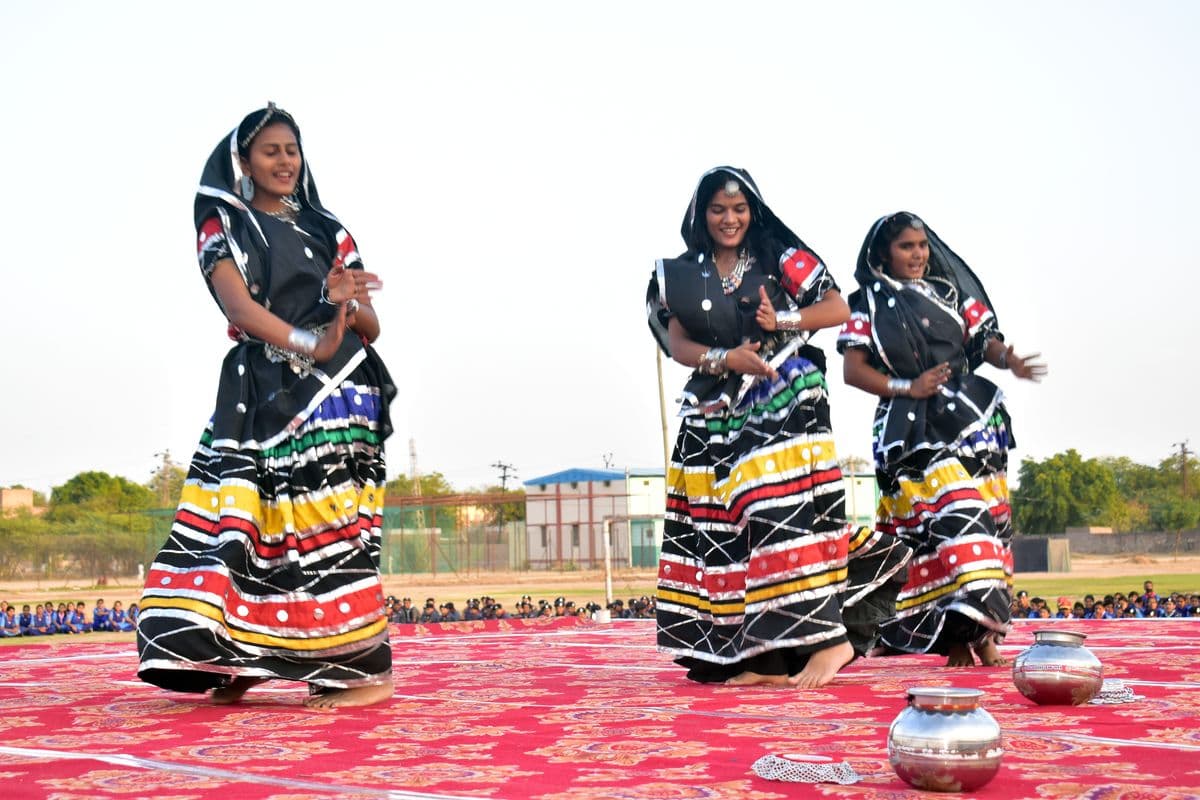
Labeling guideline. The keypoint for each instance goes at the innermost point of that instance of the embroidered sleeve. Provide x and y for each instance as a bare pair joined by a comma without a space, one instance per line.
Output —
212,245
855,332
980,327
804,277
346,251
658,316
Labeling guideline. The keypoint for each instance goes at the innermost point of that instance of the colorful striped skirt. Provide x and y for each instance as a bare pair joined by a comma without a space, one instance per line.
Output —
757,558
272,566
942,470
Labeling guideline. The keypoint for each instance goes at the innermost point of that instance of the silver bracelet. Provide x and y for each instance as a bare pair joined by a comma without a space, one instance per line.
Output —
788,320
351,306
1003,359
325,295
303,341
898,386
713,361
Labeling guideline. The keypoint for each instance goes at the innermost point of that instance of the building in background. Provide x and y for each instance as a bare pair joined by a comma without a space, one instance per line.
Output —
862,498
13,501
565,515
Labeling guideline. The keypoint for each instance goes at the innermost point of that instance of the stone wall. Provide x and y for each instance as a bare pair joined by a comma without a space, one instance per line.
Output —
1134,542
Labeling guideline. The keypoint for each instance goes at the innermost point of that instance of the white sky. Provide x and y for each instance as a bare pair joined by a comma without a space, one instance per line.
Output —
513,169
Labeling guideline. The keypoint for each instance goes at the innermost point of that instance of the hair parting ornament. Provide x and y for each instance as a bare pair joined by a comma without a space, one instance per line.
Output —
732,187
887,230
272,112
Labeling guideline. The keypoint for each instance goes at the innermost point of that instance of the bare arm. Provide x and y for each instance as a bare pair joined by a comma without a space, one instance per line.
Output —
858,372
1005,357
743,359
254,319
828,312
364,322
356,284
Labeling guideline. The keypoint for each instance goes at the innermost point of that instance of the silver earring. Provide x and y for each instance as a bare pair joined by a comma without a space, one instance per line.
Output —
246,188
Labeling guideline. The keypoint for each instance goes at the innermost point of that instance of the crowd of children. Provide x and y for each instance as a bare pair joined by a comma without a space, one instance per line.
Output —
402,610
49,619
1118,605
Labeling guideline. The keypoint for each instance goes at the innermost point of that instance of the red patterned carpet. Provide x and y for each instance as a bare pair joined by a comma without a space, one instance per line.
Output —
571,711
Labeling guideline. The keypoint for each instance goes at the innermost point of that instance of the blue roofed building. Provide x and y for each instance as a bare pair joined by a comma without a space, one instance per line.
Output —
566,514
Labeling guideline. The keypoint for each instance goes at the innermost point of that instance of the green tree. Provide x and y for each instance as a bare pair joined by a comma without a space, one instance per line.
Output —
20,535
1063,491
1175,514
1173,470
99,491
1134,480
510,511
166,483
433,484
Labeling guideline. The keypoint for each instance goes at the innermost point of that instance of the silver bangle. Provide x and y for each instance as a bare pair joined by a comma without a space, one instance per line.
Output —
351,306
713,361
788,320
302,341
898,386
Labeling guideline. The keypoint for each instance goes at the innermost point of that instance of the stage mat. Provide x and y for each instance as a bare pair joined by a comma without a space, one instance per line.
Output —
571,710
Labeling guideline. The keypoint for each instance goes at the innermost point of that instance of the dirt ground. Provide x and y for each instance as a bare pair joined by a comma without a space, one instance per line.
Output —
1090,566
580,586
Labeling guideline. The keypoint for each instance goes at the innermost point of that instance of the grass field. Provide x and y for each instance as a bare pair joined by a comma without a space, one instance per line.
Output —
1076,588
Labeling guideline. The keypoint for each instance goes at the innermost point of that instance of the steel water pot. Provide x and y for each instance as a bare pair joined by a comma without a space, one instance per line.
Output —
944,741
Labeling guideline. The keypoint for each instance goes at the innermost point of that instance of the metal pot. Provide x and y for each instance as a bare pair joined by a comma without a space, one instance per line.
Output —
1058,670
943,741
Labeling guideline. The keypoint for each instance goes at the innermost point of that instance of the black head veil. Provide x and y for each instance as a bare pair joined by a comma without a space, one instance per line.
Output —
893,318
944,263
218,197
768,238
767,231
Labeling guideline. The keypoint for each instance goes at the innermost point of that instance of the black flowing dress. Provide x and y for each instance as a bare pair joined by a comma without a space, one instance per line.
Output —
272,565
941,464
759,567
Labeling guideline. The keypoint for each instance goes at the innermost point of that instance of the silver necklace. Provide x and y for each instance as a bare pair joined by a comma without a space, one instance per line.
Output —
730,282
284,214
290,211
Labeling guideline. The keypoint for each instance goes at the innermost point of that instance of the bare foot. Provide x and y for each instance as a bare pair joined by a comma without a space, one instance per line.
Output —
230,694
823,666
349,698
754,679
960,655
989,653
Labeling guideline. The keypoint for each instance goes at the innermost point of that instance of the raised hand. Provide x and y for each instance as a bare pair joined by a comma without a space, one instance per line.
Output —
350,284
765,314
1026,367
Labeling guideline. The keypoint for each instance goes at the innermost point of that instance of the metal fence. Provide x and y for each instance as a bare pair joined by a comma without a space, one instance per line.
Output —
468,534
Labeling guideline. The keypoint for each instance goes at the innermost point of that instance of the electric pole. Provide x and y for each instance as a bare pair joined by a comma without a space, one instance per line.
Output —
1183,464
504,470
415,476
163,478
